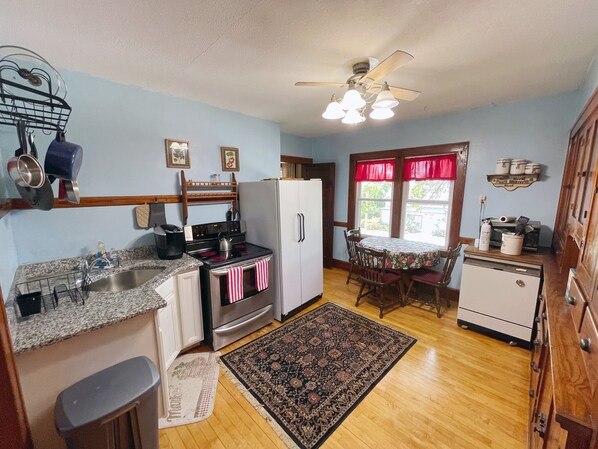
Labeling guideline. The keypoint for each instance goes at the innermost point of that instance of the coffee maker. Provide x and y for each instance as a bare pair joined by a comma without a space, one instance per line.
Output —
170,241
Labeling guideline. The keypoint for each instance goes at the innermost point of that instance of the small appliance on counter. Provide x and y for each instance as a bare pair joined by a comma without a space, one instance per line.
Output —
170,241
508,225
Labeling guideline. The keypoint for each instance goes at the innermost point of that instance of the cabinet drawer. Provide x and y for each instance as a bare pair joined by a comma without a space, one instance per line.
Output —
588,341
577,303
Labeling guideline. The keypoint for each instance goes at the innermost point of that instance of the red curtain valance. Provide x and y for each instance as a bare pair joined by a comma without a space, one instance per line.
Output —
443,167
375,170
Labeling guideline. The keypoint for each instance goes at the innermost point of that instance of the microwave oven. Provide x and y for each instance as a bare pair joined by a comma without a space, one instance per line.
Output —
531,240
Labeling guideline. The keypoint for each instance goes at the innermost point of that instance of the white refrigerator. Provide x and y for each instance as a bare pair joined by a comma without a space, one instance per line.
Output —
286,217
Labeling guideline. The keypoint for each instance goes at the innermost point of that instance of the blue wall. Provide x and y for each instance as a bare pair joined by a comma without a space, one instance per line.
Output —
536,130
122,131
291,145
590,84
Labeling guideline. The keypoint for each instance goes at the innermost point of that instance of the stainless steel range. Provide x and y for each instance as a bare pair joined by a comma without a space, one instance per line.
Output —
227,320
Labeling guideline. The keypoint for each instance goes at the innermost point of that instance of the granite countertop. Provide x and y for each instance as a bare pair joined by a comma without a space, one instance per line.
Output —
101,309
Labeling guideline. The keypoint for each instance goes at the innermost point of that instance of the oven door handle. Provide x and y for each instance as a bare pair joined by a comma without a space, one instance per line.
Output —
245,268
224,330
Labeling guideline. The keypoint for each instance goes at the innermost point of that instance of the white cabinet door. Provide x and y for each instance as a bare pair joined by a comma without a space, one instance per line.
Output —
310,199
290,255
189,308
169,330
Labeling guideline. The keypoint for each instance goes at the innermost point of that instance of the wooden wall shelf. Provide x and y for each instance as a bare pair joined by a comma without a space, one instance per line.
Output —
214,192
512,182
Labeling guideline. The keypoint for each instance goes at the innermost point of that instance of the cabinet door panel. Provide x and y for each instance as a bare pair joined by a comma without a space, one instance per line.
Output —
190,308
168,326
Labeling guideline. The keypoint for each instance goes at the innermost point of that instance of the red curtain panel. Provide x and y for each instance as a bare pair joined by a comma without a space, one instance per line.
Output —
442,167
382,170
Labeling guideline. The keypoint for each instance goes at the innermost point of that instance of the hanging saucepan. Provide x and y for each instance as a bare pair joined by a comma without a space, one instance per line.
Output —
24,169
71,187
41,198
63,159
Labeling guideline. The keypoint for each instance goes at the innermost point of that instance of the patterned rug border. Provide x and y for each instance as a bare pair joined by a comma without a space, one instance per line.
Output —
270,417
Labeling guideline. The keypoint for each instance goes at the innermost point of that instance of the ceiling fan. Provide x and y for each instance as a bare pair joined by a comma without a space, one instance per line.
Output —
365,86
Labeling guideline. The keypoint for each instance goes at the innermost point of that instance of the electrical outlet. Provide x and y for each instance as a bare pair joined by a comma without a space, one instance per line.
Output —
482,199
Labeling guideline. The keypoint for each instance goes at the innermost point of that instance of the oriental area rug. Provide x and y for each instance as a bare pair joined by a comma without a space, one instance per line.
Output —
307,376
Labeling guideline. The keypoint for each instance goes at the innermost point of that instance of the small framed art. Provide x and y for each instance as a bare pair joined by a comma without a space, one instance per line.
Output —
230,158
177,153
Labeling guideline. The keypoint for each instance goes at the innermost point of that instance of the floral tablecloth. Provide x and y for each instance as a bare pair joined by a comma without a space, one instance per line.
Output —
404,254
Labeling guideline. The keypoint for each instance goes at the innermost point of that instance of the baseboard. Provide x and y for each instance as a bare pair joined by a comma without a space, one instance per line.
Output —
452,293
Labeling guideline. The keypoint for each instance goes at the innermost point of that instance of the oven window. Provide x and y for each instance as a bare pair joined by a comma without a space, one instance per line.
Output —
249,288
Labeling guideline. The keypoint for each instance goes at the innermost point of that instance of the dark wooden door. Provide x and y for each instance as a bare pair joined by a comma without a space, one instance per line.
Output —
325,172
15,428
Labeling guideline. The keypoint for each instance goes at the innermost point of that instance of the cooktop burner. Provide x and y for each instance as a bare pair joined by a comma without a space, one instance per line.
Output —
240,252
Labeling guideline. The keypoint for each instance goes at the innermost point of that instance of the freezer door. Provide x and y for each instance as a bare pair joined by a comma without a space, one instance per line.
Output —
310,204
290,245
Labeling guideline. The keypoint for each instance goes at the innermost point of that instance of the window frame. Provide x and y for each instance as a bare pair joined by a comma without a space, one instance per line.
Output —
460,148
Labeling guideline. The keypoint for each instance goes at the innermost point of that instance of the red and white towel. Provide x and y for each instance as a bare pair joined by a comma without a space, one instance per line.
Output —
235,284
261,275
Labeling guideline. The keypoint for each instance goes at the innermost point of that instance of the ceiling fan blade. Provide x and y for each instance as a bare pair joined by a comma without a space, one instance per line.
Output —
389,65
316,84
401,93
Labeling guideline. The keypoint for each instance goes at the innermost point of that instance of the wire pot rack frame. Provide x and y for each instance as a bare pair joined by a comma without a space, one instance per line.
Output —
39,109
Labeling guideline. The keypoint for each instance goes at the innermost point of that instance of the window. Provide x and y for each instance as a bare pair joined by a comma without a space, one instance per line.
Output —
374,196
426,211
374,201
421,201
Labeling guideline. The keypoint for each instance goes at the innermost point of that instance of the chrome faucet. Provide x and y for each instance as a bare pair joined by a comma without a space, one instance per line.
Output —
93,262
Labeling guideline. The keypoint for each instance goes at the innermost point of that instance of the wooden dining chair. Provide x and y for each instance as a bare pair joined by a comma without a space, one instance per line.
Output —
373,274
352,237
438,279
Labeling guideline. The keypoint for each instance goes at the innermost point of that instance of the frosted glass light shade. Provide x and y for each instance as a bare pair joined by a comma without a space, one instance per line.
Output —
333,110
352,100
353,117
381,113
385,98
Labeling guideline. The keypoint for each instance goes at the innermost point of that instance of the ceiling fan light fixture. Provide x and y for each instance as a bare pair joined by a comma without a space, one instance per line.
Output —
333,110
385,99
353,117
352,99
381,113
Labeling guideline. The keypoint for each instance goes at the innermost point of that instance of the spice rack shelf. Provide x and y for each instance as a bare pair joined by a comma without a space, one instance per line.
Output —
512,182
203,192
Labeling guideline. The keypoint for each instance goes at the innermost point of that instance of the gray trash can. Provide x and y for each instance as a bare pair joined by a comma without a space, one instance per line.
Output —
116,408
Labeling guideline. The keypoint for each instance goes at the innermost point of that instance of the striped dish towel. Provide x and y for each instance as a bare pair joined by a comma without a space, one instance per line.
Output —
235,284
261,275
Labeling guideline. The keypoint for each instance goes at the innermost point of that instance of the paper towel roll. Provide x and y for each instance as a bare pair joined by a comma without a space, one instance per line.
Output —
506,219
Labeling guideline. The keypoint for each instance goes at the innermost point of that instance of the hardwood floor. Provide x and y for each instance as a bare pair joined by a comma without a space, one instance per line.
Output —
453,389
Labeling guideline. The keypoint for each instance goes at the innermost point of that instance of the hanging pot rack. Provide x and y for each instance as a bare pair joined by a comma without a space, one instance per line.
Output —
31,90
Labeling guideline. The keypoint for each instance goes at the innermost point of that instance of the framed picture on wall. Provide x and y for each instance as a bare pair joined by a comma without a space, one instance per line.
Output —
230,158
177,153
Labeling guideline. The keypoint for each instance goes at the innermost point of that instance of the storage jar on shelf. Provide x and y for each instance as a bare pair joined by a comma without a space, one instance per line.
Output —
532,168
518,166
502,166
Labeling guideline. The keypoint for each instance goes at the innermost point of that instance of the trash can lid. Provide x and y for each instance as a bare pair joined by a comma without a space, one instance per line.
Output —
101,394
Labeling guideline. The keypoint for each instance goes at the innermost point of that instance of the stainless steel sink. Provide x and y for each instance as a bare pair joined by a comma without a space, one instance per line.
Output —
125,280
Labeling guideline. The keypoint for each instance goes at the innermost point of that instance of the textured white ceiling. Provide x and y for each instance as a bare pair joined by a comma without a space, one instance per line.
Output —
246,55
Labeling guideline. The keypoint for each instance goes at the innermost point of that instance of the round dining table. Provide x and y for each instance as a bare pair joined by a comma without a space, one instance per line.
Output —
404,254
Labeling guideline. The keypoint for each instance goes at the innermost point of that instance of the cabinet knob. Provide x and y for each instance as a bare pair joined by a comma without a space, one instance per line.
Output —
520,283
571,300
585,344
531,393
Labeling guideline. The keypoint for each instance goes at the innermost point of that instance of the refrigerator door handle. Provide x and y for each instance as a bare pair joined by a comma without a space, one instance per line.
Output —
300,233
303,226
